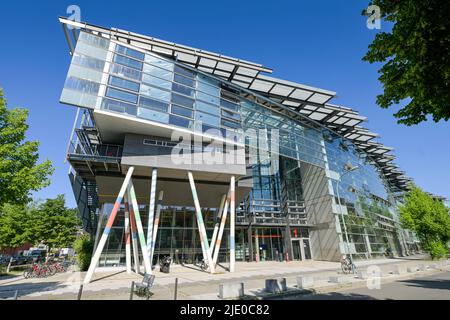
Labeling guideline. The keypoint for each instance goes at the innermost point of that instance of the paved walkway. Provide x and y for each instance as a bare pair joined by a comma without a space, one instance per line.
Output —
114,283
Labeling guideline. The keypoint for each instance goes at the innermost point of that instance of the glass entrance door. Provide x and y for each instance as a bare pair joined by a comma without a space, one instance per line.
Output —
297,250
306,249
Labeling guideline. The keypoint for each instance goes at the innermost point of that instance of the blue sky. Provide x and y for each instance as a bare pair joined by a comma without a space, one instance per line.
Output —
317,43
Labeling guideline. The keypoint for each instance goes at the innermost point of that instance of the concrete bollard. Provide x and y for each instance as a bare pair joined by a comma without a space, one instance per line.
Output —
412,269
305,282
398,269
362,275
276,285
337,279
231,290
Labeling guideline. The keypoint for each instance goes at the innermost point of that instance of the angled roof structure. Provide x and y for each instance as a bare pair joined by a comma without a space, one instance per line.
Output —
308,101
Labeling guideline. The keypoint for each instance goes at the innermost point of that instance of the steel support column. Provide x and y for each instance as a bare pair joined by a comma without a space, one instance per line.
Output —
201,226
107,230
151,213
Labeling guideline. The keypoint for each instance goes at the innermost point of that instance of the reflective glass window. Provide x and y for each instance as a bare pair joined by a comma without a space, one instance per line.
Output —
118,106
184,72
182,111
181,100
158,62
180,122
231,124
153,104
207,118
205,107
88,62
156,81
121,95
82,85
153,115
207,98
93,40
125,72
125,84
211,90
184,80
183,89
231,115
229,105
155,93
158,72
128,62
130,52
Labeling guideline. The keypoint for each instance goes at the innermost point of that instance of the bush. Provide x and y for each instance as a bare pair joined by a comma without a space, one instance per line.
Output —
83,246
436,249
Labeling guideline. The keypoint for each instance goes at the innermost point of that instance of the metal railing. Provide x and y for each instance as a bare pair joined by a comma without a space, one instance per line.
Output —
102,150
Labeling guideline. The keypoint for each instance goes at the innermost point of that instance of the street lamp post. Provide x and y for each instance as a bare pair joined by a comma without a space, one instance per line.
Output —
348,168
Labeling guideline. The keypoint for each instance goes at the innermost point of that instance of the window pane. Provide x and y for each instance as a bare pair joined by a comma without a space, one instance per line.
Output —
183,80
231,115
82,85
184,72
231,124
153,104
156,81
211,90
125,72
207,98
158,62
155,93
202,106
94,40
207,118
121,95
153,115
118,106
128,62
182,111
88,62
184,101
228,105
180,122
130,52
158,72
183,90
125,84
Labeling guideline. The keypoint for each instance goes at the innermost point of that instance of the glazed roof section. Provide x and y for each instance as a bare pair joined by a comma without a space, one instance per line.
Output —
311,102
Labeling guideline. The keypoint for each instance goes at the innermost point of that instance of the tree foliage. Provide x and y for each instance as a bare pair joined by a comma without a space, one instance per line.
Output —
15,221
53,224
19,172
416,57
50,223
83,247
428,218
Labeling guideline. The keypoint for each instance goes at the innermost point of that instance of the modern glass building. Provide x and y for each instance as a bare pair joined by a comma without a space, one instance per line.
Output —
311,181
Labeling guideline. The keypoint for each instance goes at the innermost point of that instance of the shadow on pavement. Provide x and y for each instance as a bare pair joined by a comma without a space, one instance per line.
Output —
8,291
429,284
332,296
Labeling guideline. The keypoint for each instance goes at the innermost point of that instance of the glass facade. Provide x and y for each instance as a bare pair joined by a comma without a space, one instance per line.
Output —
113,77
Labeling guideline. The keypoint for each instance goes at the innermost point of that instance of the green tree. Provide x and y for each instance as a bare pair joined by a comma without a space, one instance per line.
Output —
83,247
19,172
428,218
14,226
416,57
54,224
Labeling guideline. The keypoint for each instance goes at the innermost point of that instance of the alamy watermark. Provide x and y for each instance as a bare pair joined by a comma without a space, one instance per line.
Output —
74,13
374,17
227,148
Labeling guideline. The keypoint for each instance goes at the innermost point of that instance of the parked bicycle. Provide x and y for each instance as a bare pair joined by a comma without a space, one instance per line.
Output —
43,270
347,265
